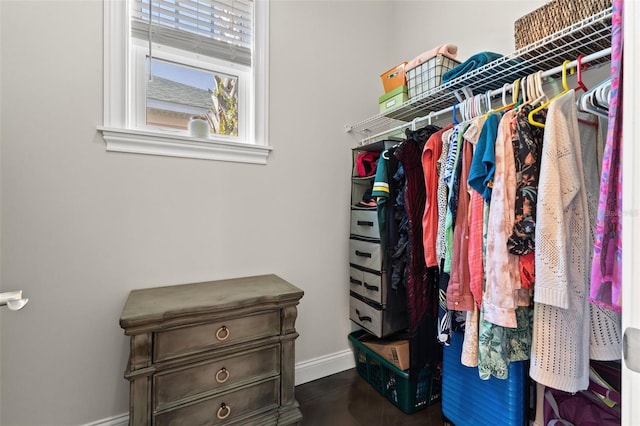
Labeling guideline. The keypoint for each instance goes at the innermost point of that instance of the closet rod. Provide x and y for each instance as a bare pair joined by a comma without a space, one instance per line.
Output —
435,114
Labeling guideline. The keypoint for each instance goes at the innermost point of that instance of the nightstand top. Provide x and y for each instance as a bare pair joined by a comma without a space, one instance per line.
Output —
145,306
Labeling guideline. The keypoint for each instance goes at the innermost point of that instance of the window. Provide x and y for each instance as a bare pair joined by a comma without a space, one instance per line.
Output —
170,61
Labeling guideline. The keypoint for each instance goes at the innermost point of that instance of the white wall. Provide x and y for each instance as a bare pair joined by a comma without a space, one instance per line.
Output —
82,227
473,25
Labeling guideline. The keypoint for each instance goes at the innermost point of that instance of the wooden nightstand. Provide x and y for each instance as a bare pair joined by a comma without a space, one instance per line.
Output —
213,353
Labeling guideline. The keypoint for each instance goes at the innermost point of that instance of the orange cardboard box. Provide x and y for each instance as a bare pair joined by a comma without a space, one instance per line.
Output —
394,351
393,78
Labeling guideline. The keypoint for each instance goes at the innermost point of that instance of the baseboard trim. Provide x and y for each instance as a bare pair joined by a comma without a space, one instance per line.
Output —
323,366
306,371
121,420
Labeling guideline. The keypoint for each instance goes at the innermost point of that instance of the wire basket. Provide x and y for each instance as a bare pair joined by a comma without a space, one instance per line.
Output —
394,384
428,75
553,17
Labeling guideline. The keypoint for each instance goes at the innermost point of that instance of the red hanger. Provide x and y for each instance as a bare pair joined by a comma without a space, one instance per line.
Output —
579,78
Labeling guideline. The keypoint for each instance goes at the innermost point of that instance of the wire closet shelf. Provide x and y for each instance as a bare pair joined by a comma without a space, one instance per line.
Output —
586,37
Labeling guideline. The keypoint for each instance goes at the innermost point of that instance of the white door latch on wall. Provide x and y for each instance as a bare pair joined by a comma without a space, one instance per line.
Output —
631,348
13,300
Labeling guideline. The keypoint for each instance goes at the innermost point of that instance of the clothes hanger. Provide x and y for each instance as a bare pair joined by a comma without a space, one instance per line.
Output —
482,99
468,109
530,94
587,106
464,110
462,107
487,103
523,93
546,104
481,105
531,88
472,107
487,96
588,100
602,94
540,95
514,97
579,78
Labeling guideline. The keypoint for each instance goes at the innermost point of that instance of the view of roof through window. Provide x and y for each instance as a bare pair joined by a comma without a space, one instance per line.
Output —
176,93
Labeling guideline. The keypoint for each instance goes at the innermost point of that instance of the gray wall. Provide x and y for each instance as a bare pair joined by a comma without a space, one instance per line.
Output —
82,227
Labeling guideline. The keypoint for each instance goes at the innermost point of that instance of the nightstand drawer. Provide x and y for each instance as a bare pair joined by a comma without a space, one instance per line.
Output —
224,409
215,375
199,338
364,223
367,284
365,254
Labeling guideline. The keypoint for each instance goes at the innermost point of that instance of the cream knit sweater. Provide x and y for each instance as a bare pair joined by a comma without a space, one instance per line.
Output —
560,346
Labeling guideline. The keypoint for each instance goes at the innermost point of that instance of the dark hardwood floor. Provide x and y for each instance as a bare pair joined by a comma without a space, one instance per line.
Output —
345,399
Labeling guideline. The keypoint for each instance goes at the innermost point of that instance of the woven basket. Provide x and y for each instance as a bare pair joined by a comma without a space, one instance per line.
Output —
553,17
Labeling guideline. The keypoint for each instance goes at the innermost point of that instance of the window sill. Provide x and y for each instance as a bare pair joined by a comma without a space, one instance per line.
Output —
142,142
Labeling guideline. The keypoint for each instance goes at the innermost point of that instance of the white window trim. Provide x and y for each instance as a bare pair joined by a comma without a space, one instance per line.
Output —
118,134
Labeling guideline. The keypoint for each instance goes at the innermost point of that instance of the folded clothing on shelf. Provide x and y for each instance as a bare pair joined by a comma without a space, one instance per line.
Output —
451,50
368,201
476,61
367,163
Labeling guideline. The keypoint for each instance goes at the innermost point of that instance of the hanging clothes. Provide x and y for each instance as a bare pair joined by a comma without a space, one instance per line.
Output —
421,281
606,274
456,318
476,219
605,342
459,295
483,163
475,261
452,177
381,192
430,156
470,344
399,246
443,192
481,176
560,348
444,316
504,327
498,346
389,179
527,149
500,298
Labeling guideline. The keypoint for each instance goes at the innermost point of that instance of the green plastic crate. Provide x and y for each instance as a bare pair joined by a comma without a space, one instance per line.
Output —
394,384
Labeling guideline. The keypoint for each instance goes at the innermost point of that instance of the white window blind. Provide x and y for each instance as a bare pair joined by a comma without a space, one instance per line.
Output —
221,29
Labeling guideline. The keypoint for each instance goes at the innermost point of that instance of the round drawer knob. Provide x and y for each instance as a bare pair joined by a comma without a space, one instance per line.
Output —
223,411
222,375
222,333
